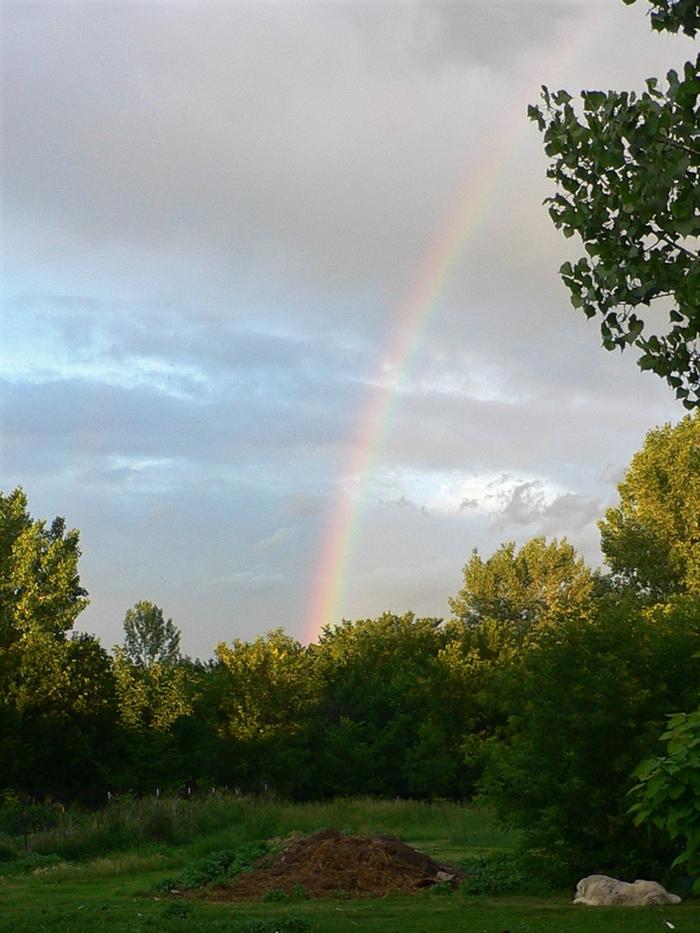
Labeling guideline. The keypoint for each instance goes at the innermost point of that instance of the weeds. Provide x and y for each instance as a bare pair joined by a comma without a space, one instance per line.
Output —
506,873
227,821
32,863
293,896
216,868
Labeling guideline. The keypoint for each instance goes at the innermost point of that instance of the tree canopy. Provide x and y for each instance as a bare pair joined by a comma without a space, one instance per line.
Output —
39,582
148,638
651,540
627,169
521,588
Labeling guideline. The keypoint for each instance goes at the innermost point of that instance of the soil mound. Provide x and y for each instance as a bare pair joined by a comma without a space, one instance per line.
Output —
329,862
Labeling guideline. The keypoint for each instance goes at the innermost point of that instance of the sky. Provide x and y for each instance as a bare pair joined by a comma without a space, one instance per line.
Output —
282,332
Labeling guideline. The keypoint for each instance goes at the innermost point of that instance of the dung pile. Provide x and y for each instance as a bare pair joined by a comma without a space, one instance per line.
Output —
329,862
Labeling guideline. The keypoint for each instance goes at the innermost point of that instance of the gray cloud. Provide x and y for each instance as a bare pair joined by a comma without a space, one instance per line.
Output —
403,502
216,223
526,504
488,33
278,537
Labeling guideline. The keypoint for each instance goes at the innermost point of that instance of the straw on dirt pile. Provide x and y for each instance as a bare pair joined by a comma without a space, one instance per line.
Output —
329,862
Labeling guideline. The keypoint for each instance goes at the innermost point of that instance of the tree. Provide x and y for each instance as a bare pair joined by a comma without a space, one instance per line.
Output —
148,637
58,716
57,704
651,540
523,588
627,167
39,583
385,716
582,706
152,701
268,691
151,697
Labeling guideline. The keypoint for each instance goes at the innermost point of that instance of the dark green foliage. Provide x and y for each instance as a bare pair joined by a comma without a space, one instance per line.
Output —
674,15
385,718
216,868
668,790
440,889
25,864
56,692
583,705
17,818
627,168
297,893
505,873
177,910
8,852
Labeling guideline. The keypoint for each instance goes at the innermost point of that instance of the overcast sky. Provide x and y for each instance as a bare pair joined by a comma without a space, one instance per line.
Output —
216,220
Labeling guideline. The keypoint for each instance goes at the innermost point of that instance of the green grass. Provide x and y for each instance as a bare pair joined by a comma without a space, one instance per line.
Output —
87,889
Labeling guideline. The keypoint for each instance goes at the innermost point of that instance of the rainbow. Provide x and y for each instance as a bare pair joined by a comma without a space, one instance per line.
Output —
418,314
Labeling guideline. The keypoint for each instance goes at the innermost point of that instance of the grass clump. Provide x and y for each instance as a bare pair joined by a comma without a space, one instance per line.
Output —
177,910
297,893
30,864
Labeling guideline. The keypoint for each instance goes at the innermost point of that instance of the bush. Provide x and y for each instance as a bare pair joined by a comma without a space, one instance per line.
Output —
669,789
510,873
215,868
7,852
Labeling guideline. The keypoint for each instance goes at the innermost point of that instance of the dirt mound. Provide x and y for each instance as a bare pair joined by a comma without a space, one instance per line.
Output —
329,862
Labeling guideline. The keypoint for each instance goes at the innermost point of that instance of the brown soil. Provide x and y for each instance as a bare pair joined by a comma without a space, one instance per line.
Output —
329,863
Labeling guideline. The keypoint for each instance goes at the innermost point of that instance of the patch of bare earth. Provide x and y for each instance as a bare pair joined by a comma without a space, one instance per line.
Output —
329,862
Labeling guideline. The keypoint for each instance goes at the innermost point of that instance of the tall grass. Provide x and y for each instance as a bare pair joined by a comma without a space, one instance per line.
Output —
223,820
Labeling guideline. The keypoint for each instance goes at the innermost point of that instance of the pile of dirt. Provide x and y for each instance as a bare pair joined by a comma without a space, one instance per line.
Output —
329,862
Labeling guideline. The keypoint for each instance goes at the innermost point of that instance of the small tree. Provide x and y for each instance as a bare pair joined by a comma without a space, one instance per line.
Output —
148,637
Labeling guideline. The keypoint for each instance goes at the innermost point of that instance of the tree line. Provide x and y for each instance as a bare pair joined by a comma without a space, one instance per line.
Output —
546,688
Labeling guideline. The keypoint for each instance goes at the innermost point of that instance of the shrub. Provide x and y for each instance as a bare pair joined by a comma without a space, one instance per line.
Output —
216,868
669,789
510,873
7,852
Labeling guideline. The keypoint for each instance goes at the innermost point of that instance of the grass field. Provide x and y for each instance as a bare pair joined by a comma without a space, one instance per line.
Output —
100,872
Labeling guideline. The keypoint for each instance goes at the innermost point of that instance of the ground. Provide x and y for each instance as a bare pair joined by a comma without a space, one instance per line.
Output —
118,891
